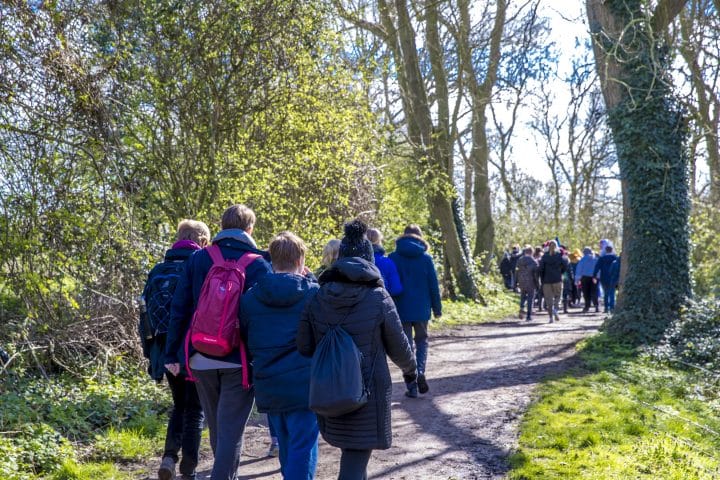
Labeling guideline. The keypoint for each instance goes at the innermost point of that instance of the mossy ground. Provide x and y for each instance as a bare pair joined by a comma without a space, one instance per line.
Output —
623,416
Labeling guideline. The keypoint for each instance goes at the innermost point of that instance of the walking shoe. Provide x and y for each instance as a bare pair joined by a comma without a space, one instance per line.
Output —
522,314
187,469
597,309
412,390
557,317
528,318
274,450
167,469
422,384
585,310
551,319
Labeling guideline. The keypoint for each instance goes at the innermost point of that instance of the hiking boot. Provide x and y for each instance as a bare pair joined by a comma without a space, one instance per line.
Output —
551,319
167,469
412,390
529,318
597,309
187,469
557,317
274,450
422,384
522,314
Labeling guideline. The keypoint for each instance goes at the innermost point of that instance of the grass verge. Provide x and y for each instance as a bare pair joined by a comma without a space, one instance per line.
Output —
624,415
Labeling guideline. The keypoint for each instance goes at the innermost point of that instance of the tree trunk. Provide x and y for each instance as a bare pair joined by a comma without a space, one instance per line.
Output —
648,132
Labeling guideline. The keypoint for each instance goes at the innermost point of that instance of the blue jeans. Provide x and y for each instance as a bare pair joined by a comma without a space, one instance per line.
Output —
421,342
527,296
297,433
609,297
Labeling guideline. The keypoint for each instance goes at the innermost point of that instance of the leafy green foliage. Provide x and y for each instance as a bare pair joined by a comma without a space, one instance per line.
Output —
705,223
622,416
693,340
114,417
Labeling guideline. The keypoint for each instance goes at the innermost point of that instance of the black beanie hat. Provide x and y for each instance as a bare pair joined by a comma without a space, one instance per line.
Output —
355,244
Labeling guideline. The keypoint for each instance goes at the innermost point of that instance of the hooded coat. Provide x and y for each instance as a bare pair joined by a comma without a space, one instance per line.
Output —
352,295
527,273
269,316
388,270
421,291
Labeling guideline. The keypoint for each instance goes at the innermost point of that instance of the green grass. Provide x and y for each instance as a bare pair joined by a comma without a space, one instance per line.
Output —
65,428
623,416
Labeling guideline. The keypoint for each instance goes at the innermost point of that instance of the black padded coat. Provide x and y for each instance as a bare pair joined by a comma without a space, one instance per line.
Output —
352,295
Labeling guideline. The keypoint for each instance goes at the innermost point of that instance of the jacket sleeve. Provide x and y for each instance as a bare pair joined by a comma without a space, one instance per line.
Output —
541,268
394,285
434,288
394,339
596,270
180,313
305,340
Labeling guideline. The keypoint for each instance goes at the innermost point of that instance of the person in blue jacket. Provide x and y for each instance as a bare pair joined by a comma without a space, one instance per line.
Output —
608,277
269,317
226,403
184,428
420,297
387,267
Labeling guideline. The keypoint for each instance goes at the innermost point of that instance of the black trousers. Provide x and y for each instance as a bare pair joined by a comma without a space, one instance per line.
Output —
353,464
185,424
589,289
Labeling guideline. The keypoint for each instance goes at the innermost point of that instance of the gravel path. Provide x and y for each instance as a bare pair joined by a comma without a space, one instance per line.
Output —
481,378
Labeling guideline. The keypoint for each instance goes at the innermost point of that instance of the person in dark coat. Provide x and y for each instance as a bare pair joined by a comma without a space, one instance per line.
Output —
352,295
186,418
552,267
269,316
226,403
515,255
505,270
420,297
527,277
608,279
387,267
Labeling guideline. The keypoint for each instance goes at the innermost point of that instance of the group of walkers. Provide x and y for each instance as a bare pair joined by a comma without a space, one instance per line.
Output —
551,275
230,325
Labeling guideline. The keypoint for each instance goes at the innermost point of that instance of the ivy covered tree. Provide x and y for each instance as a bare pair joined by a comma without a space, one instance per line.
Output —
649,132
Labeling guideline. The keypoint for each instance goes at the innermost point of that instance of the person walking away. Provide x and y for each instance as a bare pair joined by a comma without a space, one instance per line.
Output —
584,278
329,255
574,258
568,281
222,380
387,267
537,255
185,421
269,316
552,267
603,271
420,296
515,254
505,270
527,276
352,296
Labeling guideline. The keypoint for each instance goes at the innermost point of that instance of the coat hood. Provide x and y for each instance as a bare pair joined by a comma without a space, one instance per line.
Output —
378,250
345,283
281,289
410,246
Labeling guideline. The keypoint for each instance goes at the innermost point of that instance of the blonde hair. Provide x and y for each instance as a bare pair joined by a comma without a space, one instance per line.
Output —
238,216
330,252
374,235
194,231
286,251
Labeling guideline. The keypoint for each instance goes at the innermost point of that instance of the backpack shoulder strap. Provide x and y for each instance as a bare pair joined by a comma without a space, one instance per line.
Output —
215,254
245,261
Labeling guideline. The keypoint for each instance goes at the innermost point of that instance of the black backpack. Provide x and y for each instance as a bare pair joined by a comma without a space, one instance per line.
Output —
155,306
337,385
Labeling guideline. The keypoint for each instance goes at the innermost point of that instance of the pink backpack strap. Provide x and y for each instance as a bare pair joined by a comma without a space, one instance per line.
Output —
247,259
215,254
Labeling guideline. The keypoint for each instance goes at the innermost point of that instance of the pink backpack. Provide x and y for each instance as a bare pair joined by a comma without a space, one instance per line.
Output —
215,328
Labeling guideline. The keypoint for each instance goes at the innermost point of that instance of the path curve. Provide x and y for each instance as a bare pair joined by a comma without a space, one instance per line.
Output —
482,379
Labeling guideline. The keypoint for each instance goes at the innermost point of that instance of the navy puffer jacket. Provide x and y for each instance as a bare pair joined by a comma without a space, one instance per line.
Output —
351,295
552,267
421,291
269,316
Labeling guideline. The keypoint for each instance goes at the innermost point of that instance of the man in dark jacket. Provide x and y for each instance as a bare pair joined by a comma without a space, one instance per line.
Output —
185,423
269,316
608,277
352,296
420,296
505,271
515,255
552,267
225,402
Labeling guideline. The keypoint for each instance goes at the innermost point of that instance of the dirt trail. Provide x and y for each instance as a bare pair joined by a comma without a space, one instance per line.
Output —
481,378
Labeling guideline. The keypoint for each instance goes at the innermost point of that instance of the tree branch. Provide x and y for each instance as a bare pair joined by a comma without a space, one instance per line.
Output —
665,12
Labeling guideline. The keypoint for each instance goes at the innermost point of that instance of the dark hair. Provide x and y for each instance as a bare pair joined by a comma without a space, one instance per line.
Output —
413,229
